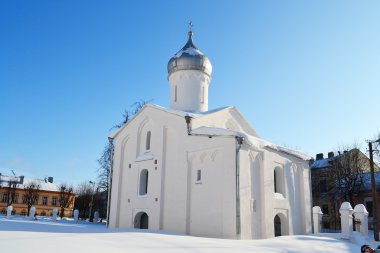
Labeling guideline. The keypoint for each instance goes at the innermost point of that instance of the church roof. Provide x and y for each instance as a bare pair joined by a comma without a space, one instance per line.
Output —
189,58
255,142
193,115
179,113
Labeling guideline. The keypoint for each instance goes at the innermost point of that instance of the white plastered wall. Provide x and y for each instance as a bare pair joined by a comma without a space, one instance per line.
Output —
191,87
174,201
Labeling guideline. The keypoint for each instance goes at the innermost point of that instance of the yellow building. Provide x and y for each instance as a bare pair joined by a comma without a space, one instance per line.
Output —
13,191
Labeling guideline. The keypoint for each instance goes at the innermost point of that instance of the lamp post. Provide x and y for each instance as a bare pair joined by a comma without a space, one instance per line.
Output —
92,200
374,194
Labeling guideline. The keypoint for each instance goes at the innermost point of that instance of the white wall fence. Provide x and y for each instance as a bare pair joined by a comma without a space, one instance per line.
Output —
347,215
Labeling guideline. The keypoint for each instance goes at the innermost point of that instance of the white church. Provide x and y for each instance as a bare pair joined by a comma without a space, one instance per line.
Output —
204,172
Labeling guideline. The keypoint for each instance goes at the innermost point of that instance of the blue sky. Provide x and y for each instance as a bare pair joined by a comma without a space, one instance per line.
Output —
305,74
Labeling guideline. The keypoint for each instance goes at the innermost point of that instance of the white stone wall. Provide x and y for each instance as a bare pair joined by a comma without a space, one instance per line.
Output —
192,90
261,204
177,202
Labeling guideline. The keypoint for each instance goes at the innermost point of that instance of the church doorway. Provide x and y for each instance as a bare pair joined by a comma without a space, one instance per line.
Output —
277,226
141,220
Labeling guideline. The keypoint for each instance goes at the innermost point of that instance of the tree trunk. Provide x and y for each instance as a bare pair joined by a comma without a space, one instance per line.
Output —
351,199
62,212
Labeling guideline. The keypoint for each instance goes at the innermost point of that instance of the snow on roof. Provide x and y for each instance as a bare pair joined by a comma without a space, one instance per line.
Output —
215,131
171,111
190,51
326,162
256,143
253,141
184,113
322,163
44,185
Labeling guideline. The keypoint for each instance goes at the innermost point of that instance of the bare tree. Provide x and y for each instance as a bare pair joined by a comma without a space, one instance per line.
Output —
135,108
347,173
66,197
105,160
32,191
84,192
12,186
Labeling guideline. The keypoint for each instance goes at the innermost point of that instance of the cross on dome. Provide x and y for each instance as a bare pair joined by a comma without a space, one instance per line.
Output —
189,57
190,26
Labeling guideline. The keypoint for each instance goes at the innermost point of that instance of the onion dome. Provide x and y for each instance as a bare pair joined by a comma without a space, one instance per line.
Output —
189,58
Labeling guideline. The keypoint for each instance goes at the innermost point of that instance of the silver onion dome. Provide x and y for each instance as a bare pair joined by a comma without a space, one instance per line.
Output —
189,58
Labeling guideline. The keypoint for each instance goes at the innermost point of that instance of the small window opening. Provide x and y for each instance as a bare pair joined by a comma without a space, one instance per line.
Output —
279,181
143,189
203,95
175,93
147,147
323,186
199,175
275,181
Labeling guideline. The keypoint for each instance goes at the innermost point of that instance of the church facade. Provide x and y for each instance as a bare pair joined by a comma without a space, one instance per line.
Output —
204,172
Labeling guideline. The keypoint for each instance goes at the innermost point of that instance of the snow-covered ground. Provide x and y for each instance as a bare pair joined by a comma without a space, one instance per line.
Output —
20,234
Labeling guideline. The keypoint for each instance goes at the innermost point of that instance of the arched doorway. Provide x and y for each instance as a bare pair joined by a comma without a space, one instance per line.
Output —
141,220
277,226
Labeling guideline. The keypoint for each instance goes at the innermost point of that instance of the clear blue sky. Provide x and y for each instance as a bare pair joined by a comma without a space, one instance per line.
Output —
305,74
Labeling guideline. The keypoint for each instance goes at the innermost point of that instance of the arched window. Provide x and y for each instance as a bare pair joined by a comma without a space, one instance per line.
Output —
143,188
279,181
147,144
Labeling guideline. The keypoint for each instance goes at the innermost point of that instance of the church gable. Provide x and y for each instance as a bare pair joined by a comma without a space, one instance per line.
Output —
228,118
238,119
146,117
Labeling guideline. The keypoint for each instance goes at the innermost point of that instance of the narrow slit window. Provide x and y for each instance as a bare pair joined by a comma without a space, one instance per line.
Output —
175,93
203,95
279,181
199,175
147,146
143,189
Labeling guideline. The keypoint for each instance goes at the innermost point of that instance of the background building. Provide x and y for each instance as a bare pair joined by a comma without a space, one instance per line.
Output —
48,196
339,178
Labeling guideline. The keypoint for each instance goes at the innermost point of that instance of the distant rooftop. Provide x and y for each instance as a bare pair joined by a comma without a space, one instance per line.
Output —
45,185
